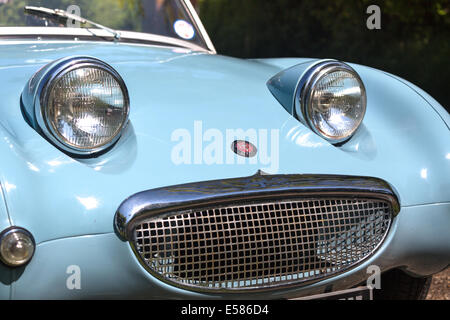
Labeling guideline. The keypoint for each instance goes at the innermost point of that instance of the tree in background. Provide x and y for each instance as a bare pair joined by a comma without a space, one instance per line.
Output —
116,14
413,42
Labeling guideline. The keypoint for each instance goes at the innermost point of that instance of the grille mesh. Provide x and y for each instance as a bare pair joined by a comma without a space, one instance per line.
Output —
261,245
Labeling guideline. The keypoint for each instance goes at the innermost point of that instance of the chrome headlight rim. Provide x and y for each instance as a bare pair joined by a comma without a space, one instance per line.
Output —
305,91
50,79
15,230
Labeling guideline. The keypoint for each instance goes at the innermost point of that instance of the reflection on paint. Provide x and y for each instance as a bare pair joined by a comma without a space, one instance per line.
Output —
305,140
424,173
32,167
9,186
89,202
304,137
54,163
58,161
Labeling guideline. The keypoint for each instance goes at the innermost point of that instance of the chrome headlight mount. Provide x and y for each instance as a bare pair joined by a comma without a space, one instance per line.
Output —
331,100
17,246
80,104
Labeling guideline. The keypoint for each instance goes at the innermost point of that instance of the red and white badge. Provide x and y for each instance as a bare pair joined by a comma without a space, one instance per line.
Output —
244,148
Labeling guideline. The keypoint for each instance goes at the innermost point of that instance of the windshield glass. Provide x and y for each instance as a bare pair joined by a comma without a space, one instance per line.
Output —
169,18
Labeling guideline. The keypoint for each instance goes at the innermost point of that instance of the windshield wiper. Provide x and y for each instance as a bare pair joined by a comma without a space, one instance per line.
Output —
58,14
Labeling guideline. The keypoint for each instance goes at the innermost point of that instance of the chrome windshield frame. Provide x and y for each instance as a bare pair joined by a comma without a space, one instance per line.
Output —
190,8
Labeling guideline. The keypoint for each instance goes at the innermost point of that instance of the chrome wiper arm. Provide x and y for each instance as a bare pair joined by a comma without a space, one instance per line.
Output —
58,13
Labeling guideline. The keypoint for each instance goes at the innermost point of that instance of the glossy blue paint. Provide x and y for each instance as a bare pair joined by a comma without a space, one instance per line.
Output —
433,103
4,216
285,84
5,273
403,141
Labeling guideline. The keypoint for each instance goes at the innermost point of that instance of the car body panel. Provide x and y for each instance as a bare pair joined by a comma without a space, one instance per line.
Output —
68,204
163,84
4,216
445,116
5,273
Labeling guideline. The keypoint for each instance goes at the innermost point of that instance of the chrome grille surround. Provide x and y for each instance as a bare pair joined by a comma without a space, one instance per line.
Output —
275,237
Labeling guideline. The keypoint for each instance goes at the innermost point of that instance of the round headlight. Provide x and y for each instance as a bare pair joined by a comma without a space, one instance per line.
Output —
16,246
333,101
84,106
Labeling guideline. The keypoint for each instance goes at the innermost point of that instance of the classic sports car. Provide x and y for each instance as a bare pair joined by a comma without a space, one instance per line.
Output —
138,163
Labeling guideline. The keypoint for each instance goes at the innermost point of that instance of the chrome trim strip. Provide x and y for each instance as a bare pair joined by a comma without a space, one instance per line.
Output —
305,78
201,194
96,34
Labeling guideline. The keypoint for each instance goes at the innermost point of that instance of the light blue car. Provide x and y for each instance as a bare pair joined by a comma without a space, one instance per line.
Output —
136,162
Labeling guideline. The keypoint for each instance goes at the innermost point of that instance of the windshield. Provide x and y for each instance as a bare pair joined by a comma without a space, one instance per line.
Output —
169,18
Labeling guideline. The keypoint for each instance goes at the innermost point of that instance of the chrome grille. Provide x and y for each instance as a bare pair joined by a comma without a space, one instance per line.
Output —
261,245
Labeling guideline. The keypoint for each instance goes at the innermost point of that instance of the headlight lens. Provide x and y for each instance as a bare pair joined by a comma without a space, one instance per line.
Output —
16,247
335,102
84,106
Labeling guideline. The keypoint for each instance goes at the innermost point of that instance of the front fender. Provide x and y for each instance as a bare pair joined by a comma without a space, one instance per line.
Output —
405,130
402,140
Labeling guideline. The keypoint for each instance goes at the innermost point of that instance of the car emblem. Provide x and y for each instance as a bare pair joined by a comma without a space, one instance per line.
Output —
244,148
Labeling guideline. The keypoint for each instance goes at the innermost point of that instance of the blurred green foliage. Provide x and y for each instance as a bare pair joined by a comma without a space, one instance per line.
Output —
117,14
413,42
